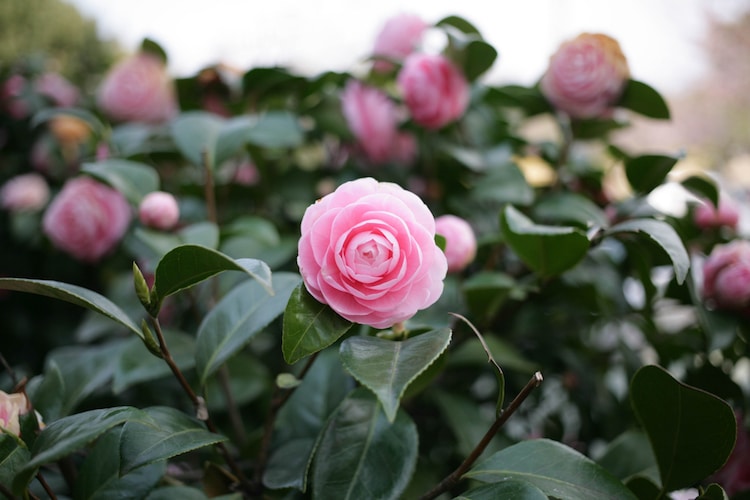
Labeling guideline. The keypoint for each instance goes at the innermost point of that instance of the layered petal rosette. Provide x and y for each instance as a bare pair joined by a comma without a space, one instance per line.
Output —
368,251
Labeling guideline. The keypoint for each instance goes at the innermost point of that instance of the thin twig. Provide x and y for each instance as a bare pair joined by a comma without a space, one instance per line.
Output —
5,491
11,372
234,414
45,485
450,481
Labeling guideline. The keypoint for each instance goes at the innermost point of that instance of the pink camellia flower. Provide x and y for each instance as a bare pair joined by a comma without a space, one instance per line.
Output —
368,250
726,276
372,117
708,216
460,242
138,89
435,91
398,38
586,76
86,219
12,406
159,210
26,192
59,90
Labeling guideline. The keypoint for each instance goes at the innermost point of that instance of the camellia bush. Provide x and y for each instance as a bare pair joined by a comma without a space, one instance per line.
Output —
399,282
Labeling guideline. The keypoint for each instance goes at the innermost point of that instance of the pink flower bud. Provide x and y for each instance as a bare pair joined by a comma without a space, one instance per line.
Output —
435,91
159,210
12,406
460,242
726,276
86,219
398,38
59,90
708,216
372,118
586,76
27,192
138,89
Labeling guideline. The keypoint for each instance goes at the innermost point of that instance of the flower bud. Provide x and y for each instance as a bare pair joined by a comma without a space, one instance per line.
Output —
398,38
159,210
708,216
371,116
460,242
12,406
726,276
27,192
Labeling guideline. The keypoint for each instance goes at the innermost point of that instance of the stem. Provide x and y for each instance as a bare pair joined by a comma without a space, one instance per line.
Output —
46,487
277,401
210,195
8,494
234,414
9,369
450,481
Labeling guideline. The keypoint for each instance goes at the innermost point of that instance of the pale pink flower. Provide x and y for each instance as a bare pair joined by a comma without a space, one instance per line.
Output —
434,89
138,89
59,90
12,406
372,118
247,174
707,216
398,38
460,241
159,210
726,276
12,97
26,192
86,219
368,251
586,76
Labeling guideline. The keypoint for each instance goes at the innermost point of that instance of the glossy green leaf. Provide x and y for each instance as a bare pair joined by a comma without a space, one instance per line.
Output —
236,318
301,420
196,133
276,129
465,419
664,235
309,326
387,367
713,492
249,379
487,291
179,492
630,455
514,489
479,56
458,23
557,470
166,433
644,488
548,250
647,172
361,454
68,434
188,265
504,185
471,352
152,47
133,179
703,187
571,208
644,100
100,477
692,432
48,392
202,233
75,295
13,457
529,99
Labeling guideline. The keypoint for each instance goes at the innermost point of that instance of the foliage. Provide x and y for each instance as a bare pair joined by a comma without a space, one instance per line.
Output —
193,362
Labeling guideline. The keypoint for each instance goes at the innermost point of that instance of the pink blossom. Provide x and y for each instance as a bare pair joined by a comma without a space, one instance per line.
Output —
726,276
460,242
12,406
707,216
586,76
26,192
435,91
368,251
372,117
12,96
138,89
247,174
86,219
398,38
59,90
159,210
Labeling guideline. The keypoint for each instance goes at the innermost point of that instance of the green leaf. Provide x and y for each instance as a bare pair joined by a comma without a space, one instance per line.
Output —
557,470
506,354
133,179
181,492
664,235
165,434
301,420
68,434
75,295
691,431
237,318
529,99
458,23
248,380
188,265
196,133
703,187
13,457
309,326
202,233
713,492
362,455
487,291
572,208
630,455
479,56
387,367
48,391
511,489
47,114
152,47
466,420
100,478
547,250
643,99
647,172
276,129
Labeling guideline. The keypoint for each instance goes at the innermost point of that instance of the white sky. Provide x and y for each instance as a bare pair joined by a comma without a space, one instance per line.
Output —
660,37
